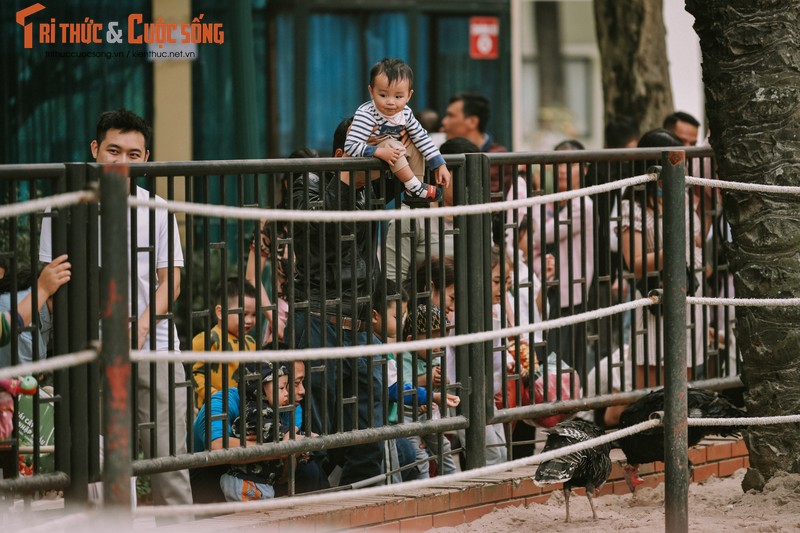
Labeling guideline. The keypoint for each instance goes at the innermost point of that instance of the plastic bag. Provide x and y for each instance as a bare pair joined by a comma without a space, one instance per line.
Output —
569,384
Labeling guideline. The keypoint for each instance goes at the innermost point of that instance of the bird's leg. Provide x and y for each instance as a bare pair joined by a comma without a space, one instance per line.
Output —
591,503
631,474
566,501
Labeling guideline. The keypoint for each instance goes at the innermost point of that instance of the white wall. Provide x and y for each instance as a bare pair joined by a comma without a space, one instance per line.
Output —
685,71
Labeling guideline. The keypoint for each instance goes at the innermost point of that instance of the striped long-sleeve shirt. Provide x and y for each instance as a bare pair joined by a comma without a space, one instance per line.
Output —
370,127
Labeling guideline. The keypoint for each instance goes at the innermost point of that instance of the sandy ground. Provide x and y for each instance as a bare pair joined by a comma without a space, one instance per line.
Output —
716,505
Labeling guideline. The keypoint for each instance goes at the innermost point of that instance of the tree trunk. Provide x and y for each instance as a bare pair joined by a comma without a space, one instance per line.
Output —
751,70
633,52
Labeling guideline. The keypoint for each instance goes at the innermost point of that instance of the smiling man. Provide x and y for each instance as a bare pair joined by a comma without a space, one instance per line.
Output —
123,137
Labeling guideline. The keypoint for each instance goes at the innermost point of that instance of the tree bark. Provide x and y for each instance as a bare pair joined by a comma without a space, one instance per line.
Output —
751,70
633,53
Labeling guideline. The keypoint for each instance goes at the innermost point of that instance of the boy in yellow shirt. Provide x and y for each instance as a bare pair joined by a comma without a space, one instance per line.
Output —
213,341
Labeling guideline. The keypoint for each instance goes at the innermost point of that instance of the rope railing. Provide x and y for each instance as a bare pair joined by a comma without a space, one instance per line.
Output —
739,186
744,302
58,362
377,349
291,215
53,202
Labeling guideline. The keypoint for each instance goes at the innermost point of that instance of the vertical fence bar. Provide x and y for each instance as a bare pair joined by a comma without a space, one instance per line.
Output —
676,404
115,348
78,491
476,432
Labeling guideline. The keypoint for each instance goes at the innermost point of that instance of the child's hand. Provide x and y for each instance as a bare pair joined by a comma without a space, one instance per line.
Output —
436,376
54,275
442,176
452,400
390,155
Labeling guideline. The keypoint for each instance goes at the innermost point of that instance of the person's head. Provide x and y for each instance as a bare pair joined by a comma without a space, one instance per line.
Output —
340,136
122,136
429,120
500,261
3,267
390,82
416,325
443,281
299,381
569,175
684,126
456,145
229,292
266,375
467,114
621,132
386,308
655,138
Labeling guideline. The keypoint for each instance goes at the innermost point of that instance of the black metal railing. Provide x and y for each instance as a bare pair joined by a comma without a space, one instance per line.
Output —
321,272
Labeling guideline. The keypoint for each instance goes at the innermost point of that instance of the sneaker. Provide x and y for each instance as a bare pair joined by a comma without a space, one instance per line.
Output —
435,194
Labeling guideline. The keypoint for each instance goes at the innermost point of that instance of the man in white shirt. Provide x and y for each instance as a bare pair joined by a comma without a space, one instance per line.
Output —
123,137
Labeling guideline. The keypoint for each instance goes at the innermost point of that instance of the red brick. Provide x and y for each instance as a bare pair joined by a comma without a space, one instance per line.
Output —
496,492
718,452
449,519
433,503
606,489
404,508
620,487
616,472
697,455
421,523
553,487
526,487
510,503
703,472
746,462
739,449
646,468
388,527
301,524
658,466
466,498
543,499
579,491
363,516
652,481
473,513
346,518
728,467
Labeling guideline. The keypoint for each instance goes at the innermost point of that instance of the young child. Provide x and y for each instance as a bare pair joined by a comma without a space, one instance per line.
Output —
214,338
255,481
385,127
385,314
415,328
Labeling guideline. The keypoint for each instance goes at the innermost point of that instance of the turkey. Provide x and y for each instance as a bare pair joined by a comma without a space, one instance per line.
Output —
588,468
648,446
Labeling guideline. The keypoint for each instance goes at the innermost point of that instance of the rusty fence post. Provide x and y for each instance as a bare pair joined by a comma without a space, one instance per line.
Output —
676,427
115,349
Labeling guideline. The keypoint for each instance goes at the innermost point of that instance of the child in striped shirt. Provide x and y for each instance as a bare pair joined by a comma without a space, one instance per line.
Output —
385,127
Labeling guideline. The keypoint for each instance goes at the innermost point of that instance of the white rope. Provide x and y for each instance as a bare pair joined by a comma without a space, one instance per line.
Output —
376,349
747,421
744,302
294,215
48,365
401,489
53,202
739,186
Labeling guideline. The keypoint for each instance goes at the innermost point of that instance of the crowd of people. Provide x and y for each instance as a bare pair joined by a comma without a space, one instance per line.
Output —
542,267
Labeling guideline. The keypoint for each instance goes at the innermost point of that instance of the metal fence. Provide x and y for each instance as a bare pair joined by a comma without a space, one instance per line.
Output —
329,275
